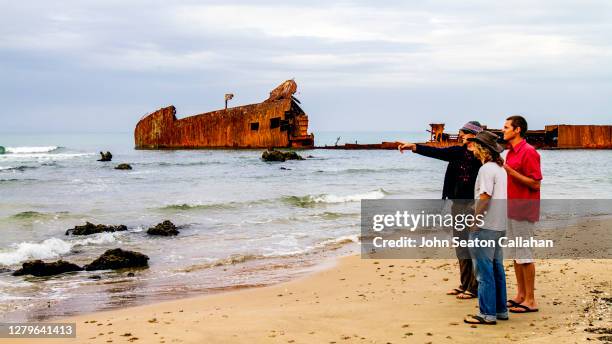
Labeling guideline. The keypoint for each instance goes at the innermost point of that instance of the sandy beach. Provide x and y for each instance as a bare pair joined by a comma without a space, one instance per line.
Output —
367,301
306,172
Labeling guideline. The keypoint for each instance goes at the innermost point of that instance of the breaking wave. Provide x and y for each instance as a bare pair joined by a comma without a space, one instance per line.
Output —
310,200
300,201
50,248
31,150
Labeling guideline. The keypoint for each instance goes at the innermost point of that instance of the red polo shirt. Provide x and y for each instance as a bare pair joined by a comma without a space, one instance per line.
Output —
523,202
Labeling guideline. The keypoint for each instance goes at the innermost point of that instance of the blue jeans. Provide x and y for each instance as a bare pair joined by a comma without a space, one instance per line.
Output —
489,266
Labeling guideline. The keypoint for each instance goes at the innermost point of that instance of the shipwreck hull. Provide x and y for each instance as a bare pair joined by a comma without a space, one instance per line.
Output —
564,136
278,122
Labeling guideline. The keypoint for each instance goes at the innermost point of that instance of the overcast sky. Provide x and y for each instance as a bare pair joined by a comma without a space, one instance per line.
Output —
362,65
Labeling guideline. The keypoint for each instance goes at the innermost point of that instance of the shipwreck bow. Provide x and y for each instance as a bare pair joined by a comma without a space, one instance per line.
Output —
277,122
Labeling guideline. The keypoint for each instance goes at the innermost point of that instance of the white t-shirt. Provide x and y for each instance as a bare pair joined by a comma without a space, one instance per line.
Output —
493,180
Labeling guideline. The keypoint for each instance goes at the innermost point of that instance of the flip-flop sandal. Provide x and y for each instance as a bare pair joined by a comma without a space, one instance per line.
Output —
466,295
524,308
455,291
478,320
512,303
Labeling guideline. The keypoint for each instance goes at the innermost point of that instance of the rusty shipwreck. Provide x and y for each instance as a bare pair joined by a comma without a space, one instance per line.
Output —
277,122
557,136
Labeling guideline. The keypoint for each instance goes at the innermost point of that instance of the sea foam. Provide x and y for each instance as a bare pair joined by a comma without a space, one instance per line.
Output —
31,150
50,248
309,200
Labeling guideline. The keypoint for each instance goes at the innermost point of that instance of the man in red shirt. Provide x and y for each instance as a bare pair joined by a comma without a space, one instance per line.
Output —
524,176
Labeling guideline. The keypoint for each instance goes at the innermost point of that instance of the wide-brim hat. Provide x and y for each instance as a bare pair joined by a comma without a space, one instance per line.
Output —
489,140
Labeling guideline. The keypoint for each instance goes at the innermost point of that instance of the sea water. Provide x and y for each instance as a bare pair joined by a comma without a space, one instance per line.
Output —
243,222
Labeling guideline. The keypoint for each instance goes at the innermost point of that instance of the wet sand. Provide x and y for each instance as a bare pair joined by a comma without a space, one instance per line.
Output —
367,301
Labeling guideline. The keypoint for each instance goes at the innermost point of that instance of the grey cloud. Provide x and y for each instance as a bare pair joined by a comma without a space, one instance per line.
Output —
64,63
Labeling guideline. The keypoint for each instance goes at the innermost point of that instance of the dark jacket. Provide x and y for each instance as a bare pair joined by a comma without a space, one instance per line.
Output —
461,172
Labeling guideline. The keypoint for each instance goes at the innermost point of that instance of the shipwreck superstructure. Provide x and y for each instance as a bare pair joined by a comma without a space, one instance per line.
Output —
277,122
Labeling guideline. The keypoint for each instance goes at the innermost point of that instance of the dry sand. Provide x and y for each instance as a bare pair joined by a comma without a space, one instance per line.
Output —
367,301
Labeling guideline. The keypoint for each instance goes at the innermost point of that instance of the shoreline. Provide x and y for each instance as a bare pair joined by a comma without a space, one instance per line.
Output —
280,269
359,300
350,299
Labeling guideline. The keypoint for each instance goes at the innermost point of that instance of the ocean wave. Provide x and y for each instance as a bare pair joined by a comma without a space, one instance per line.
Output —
30,214
235,259
50,248
221,205
41,157
371,170
325,245
310,200
336,243
16,180
231,260
97,239
300,201
31,150
192,163
19,168
195,206
331,215
27,215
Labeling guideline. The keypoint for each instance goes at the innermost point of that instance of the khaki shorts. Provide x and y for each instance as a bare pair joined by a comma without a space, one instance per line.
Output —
524,230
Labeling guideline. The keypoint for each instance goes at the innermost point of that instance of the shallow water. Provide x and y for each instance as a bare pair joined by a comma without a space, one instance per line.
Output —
244,222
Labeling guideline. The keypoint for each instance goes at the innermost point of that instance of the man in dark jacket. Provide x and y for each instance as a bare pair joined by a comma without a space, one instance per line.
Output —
459,183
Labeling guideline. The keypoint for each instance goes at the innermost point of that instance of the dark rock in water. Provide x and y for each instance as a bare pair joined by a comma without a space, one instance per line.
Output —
165,228
95,277
130,274
285,168
293,156
309,157
118,259
123,167
3,270
40,268
274,155
106,156
90,228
